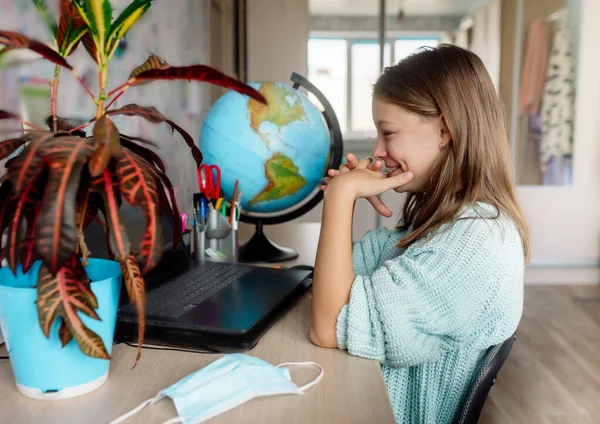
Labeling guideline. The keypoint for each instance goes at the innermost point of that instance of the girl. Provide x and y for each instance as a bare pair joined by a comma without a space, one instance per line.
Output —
428,298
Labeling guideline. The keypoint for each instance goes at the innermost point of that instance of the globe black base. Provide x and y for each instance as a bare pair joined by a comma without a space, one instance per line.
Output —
260,249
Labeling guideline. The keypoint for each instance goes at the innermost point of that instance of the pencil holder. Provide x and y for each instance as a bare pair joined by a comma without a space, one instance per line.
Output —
218,241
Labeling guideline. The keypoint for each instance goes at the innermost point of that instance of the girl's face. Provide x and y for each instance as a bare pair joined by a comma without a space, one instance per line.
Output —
408,142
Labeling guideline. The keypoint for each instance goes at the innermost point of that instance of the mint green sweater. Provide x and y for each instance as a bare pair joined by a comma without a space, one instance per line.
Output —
429,313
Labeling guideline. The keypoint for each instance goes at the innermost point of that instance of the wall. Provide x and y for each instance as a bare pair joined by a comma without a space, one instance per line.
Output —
176,31
507,48
277,39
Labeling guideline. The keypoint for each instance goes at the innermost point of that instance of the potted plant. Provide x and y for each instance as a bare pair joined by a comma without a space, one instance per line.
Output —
57,306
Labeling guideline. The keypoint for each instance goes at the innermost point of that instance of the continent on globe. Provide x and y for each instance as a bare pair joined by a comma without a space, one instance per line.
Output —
279,112
284,179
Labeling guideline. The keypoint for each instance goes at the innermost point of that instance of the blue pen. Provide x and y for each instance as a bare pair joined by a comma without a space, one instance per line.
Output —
203,210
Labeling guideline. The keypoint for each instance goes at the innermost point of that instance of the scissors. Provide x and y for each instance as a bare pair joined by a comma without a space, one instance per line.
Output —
209,181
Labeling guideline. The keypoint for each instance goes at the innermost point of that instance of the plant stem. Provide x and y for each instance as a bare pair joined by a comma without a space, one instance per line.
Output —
102,83
84,85
114,100
53,97
83,213
85,124
121,87
29,124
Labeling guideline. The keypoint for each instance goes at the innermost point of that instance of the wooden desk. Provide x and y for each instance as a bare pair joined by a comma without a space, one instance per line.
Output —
351,391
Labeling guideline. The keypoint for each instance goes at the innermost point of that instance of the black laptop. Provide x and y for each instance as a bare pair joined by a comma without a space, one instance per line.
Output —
211,306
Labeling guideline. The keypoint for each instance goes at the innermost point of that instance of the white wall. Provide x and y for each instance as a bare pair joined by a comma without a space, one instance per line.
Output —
277,39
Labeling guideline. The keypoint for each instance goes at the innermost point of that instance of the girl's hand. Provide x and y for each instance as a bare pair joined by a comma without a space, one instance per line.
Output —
352,163
363,182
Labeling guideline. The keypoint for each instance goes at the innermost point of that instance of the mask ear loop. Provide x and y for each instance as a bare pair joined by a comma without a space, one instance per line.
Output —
135,410
311,383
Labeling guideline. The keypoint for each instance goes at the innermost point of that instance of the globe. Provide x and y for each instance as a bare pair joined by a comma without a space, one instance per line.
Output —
279,153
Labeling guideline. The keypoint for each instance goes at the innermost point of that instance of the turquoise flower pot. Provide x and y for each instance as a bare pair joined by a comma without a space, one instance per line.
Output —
43,369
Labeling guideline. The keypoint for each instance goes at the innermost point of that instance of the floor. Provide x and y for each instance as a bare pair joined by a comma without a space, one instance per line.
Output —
552,375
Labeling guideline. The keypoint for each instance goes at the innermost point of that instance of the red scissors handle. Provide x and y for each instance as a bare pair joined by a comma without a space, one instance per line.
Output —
209,180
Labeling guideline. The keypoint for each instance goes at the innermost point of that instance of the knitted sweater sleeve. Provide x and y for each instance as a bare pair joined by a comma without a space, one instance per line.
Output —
436,296
366,253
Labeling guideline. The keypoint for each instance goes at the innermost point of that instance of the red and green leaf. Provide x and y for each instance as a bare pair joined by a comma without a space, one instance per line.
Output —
63,294
47,15
23,167
56,235
90,46
138,186
134,282
108,146
128,17
153,115
170,191
107,185
144,152
24,202
7,204
7,115
63,124
97,14
201,73
7,147
28,255
153,62
14,40
140,139
64,333
71,28
71,44
95,204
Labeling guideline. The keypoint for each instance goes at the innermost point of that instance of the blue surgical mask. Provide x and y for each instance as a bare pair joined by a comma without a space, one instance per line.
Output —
224,384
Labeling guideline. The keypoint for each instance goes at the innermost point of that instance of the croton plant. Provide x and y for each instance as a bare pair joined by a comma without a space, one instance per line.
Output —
64,175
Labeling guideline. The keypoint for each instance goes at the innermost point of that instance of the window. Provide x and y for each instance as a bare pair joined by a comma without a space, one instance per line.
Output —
327,70
364,69
345,69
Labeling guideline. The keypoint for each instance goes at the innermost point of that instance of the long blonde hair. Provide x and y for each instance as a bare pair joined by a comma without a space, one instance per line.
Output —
452,82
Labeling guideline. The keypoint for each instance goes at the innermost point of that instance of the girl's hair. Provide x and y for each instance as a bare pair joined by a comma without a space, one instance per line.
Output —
452,82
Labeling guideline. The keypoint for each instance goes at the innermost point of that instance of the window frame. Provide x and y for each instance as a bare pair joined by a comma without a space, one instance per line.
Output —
362,37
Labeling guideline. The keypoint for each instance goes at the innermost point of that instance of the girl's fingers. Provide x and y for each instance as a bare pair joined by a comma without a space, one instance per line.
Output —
376,166
364,162
352,161
380,206
344,168
396,180
333,172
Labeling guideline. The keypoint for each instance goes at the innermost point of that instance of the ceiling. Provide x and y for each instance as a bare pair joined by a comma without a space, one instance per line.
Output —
411,7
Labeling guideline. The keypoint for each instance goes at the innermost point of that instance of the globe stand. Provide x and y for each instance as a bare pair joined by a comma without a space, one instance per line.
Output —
260,249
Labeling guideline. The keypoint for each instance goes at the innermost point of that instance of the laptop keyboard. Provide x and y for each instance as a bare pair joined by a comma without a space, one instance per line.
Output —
194,286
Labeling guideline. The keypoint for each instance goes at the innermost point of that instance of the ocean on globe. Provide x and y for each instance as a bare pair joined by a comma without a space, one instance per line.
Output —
279,153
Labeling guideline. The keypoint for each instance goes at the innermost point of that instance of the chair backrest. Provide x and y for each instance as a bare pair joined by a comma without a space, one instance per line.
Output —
483,382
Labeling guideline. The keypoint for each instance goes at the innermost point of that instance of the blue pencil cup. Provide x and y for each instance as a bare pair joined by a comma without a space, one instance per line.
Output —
43,369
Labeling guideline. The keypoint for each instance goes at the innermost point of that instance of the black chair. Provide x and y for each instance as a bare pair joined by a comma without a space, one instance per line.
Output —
480,388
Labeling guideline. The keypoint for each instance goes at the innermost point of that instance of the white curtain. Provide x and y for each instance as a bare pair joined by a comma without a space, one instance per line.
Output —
485,40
